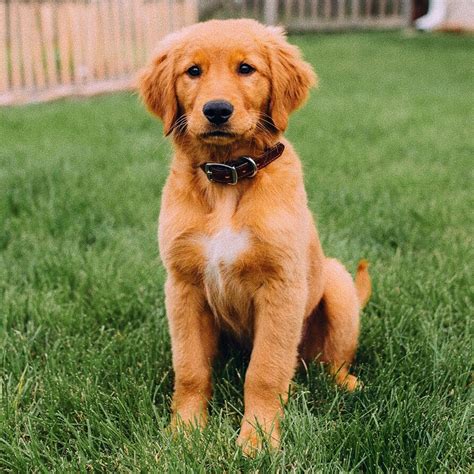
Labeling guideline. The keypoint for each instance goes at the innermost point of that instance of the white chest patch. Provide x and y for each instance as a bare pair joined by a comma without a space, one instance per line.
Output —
223,249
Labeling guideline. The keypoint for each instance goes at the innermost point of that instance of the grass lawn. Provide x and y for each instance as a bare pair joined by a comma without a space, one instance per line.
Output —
85,366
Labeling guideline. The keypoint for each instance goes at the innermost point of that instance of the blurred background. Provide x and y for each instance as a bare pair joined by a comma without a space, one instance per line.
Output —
56,48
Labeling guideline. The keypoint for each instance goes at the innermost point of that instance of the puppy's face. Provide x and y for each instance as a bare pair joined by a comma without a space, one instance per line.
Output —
224,81
222,91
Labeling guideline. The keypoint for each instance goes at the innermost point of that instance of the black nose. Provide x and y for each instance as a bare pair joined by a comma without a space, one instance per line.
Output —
218,111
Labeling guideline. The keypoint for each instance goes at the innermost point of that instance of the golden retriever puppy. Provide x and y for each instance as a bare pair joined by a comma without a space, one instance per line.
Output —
235,233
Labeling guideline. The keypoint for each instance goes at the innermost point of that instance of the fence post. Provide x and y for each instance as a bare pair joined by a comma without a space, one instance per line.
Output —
271,12
191,12
3,48
407,6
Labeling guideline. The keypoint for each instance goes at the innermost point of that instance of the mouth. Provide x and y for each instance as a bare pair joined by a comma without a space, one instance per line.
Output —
217,134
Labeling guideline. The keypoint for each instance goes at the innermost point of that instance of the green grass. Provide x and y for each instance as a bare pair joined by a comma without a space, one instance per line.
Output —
85,355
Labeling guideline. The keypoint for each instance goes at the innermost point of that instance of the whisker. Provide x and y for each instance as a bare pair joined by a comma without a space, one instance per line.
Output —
180,124
265,118
264,131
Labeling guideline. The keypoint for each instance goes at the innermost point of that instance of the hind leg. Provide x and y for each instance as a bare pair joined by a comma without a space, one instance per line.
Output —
332,331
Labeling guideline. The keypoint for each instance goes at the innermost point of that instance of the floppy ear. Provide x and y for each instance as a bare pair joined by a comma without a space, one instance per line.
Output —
291,78
157,89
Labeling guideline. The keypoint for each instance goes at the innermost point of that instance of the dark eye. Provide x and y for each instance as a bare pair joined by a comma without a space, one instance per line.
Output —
194,71
246,69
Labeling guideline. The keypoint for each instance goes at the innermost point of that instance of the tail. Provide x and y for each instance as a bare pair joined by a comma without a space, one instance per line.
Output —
362,282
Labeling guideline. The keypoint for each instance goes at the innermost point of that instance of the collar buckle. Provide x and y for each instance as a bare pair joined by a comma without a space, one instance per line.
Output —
254,166
208,169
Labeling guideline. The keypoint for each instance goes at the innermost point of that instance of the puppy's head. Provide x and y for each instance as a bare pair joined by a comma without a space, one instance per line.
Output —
226,80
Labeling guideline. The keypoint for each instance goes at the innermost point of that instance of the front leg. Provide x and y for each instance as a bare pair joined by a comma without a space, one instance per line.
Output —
194,342
279,314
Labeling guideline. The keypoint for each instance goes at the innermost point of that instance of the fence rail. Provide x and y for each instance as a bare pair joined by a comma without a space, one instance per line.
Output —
316,15
50,49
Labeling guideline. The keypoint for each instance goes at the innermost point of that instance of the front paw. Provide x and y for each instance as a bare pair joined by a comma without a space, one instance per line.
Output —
188,418
255,436
349,383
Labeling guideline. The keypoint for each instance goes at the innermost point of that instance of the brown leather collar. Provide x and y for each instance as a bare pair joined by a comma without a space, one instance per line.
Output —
231,172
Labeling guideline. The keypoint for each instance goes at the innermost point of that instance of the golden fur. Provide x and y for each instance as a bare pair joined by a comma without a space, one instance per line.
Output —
244,259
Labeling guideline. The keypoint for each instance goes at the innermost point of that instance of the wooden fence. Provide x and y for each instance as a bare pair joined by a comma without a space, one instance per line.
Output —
316,15
56,48
51,49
